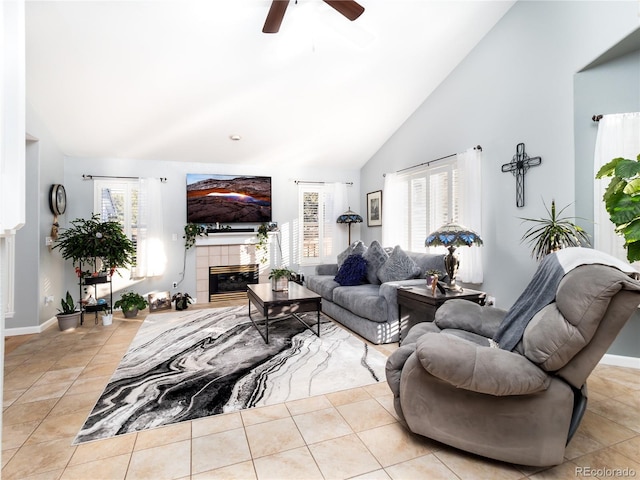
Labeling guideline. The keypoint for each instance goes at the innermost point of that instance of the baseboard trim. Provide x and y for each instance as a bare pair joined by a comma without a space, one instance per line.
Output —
12,332
621,361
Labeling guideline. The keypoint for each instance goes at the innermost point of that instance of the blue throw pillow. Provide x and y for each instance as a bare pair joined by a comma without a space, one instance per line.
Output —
352,272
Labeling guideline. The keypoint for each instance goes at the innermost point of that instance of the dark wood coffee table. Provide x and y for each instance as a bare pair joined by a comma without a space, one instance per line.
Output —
421,304
272,304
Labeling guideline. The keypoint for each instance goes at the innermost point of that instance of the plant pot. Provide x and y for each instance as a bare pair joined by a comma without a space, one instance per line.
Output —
68,321
280,284
131,313
107,319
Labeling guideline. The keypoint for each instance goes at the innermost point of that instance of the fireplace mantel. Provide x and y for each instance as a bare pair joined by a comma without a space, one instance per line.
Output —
231,238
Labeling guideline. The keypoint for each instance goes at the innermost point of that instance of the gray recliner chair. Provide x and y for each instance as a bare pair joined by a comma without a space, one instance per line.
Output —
520,406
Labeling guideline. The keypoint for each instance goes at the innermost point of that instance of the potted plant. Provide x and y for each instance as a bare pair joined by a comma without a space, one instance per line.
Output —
102,246
432,275
551,234
182,300
622,201
68,316
280,279
131,303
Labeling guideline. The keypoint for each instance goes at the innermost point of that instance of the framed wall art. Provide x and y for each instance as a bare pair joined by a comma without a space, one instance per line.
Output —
374,209
159,301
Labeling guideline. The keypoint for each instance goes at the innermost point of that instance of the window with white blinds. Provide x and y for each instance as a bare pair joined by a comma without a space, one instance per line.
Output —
117,200
316,226
429,199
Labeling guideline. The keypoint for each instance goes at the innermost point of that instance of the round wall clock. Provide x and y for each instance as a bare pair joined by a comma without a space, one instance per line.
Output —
57,199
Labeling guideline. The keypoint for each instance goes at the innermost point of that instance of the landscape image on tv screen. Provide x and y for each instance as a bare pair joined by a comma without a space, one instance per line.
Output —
228,198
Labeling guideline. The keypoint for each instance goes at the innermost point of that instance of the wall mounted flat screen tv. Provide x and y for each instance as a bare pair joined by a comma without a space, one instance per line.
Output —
228,198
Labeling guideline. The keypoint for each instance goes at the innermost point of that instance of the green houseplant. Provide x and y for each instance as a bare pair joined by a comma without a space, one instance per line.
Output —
263,242
553,233
101,246
131,303
183,300
280,278
68,316
622,201
191,231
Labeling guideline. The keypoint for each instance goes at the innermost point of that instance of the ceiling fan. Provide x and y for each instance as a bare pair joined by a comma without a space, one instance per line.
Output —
349,8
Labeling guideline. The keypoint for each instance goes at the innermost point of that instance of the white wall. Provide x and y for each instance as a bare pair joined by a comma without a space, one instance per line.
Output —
39,273
515,86
285,207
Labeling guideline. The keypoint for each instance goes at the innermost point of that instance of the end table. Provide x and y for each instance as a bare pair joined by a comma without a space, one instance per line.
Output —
421,304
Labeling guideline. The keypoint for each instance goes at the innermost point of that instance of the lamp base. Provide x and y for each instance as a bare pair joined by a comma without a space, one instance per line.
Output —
453,287
451,263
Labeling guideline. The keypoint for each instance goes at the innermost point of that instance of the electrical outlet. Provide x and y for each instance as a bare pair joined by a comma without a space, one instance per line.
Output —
175,284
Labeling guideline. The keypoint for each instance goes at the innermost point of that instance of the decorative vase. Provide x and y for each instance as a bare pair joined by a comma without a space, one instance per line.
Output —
68,321
107,319
131,313
280,284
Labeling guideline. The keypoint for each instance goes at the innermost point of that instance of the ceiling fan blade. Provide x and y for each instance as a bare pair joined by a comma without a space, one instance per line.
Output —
348,8
275,16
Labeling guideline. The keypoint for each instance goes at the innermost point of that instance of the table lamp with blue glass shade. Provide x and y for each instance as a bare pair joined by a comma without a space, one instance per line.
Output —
452,236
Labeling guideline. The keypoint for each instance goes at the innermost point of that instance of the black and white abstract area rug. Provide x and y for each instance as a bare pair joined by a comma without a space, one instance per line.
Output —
184,365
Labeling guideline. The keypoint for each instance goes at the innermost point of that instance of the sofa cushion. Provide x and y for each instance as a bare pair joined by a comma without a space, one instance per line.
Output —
375,256
430,261
399,266
356,248
323,285
353,271
362,300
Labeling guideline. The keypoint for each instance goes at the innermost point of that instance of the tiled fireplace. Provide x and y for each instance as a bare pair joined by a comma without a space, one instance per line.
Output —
232,259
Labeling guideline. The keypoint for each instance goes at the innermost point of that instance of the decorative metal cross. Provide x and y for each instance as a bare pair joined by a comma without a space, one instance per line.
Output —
519,166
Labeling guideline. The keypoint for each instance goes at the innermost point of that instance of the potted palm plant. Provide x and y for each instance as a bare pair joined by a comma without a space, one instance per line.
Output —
131,303
551,234
68,316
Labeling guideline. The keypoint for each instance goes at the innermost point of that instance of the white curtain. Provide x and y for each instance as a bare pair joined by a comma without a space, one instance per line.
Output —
337,204
151,257
618,136
393,204
470,212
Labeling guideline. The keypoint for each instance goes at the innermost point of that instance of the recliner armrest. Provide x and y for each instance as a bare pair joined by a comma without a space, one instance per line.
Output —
394,365
462,314
480,369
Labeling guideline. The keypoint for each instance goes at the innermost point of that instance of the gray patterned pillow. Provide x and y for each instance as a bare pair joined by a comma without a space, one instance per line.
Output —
375,257
356,248
399,266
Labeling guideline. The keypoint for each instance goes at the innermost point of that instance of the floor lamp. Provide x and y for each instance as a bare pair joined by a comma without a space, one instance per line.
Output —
349,217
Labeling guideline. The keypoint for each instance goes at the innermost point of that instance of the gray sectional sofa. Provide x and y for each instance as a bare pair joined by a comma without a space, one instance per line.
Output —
370,309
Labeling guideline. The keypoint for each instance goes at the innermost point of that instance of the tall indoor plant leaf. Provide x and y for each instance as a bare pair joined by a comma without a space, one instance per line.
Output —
622,201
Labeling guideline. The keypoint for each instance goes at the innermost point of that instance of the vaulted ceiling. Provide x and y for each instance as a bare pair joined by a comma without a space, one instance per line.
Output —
175,79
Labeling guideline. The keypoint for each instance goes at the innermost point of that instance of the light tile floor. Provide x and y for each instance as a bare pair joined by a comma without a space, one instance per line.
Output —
53,379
